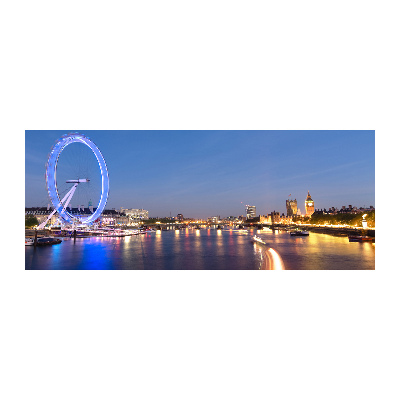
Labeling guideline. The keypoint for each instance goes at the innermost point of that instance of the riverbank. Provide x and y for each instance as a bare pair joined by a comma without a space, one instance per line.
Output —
341,231
329,230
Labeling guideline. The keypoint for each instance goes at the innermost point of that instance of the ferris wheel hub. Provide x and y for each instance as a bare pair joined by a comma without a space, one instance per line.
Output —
77,180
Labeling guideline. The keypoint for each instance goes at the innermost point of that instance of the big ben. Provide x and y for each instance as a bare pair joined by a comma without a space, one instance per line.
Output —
309,205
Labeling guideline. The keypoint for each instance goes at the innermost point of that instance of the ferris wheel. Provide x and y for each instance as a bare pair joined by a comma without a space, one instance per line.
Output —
76,172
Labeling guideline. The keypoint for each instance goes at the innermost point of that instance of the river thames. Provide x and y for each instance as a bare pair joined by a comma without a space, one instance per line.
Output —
206,249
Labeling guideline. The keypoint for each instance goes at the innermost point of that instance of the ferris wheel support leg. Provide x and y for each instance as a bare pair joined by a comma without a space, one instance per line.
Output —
69,194
67,198
43,224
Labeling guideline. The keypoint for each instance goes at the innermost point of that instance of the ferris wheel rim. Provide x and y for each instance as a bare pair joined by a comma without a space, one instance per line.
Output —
51,171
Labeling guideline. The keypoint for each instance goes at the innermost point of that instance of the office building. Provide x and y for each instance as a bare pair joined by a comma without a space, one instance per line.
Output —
250,212
136,214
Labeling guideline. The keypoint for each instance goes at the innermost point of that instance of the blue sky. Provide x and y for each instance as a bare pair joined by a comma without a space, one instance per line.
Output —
206,173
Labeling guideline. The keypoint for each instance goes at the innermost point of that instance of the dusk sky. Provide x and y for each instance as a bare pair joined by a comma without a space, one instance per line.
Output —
209,173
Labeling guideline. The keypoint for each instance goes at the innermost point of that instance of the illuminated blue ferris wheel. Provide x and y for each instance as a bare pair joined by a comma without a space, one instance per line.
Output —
76,173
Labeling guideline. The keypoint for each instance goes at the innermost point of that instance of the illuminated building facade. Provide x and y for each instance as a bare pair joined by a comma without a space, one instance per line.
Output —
275,217
250,212
291,207
309,203
135,214
42,214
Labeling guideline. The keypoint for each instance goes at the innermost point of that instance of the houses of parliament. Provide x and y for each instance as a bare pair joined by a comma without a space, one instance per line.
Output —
292,210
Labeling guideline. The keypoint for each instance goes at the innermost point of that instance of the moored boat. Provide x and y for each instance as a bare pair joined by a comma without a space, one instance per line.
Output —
47,241
299,233
357,238
146,230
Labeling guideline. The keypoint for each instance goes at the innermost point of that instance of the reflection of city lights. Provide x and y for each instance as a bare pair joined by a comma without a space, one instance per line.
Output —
219,232
197,232
158,232
176,231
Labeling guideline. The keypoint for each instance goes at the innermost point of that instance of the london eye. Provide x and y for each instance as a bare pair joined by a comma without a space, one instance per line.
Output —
76,174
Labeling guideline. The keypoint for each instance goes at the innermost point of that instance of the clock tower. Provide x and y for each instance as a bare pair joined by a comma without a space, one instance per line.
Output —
309,205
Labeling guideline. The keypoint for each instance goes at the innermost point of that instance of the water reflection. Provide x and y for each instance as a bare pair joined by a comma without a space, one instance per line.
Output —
56,254
241,245
367,247
231,244
198,249
260,257
220,244
158,253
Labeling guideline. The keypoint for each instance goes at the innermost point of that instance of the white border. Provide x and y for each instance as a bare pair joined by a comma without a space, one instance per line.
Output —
209,65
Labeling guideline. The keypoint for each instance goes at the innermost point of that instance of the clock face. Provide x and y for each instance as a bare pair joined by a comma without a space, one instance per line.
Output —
310,204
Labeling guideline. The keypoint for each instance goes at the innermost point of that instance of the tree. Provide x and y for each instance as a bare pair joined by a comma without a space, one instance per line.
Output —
343,219
30,221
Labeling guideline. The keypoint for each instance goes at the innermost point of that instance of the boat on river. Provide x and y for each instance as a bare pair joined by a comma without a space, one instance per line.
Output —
256,239
357,238
299,233
42,241
121,233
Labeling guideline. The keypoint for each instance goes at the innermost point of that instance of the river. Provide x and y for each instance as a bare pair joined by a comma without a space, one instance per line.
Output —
204,249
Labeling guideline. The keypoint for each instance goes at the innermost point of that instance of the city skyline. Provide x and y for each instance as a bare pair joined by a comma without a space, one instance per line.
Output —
204,173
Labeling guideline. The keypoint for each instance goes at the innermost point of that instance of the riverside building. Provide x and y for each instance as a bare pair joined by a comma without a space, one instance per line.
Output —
291,207
250,212
41,214
135,214
275,217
